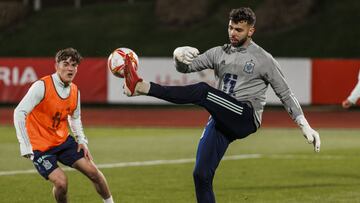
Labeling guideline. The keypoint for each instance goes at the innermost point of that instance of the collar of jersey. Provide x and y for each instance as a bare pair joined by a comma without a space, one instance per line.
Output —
241,49
237,49
58,81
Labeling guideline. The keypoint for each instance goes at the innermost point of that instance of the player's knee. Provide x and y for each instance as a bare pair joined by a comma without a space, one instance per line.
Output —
94,175
61,186
59,180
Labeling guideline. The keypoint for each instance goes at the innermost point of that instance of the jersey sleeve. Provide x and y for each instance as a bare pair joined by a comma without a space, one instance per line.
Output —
76,124
32,98
201,62
355,93
277,81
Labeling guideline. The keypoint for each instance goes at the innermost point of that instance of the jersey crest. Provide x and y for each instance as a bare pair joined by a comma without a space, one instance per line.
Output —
249,67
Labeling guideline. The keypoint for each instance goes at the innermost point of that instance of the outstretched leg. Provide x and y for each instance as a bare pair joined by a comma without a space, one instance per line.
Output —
234,118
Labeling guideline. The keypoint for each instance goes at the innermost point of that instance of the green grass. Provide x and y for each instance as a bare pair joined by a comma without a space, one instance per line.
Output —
287,171
96,29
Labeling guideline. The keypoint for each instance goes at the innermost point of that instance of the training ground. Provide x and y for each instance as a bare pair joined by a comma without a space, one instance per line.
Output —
147,155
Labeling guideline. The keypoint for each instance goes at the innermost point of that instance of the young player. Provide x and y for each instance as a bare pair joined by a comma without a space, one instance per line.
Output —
353,97
243,71
40,121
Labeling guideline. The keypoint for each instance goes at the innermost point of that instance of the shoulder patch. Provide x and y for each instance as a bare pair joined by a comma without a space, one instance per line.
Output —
249,67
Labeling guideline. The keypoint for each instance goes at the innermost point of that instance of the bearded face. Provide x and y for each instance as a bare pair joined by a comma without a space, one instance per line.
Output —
240,33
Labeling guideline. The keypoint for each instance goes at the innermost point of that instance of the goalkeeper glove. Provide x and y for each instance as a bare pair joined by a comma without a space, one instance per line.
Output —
185,54
310,134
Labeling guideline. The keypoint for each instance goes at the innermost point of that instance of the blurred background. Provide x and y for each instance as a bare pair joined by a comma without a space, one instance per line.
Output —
315,41
286,28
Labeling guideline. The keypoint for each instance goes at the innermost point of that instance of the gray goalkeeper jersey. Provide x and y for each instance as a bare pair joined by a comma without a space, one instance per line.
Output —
245,74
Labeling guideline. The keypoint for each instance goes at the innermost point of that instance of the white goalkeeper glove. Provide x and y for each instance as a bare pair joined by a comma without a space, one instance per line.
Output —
310,134
185,54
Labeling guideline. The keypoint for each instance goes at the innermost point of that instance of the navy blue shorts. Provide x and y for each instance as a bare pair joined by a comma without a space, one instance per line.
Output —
66,153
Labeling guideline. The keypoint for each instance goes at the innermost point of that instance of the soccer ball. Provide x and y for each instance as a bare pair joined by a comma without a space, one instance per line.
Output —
116,61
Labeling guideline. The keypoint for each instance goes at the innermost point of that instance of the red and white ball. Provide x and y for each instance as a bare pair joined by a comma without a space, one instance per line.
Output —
116,61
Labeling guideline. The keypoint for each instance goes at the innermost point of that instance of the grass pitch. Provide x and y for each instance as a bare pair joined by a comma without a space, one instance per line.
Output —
277,166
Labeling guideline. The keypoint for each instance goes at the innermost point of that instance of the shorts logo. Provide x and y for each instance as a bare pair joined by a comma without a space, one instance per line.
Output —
249,67
42,160
47,164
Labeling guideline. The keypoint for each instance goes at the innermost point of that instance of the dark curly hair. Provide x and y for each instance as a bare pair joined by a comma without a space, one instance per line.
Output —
243,14
64,54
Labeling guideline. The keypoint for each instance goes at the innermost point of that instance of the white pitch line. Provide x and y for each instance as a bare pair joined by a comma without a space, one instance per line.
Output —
180,161
285,156
175,161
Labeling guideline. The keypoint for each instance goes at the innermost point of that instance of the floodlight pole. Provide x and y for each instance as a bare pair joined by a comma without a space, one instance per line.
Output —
37,5
77,3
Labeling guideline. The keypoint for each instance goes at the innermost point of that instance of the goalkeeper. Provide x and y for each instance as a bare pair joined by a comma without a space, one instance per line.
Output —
243,71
